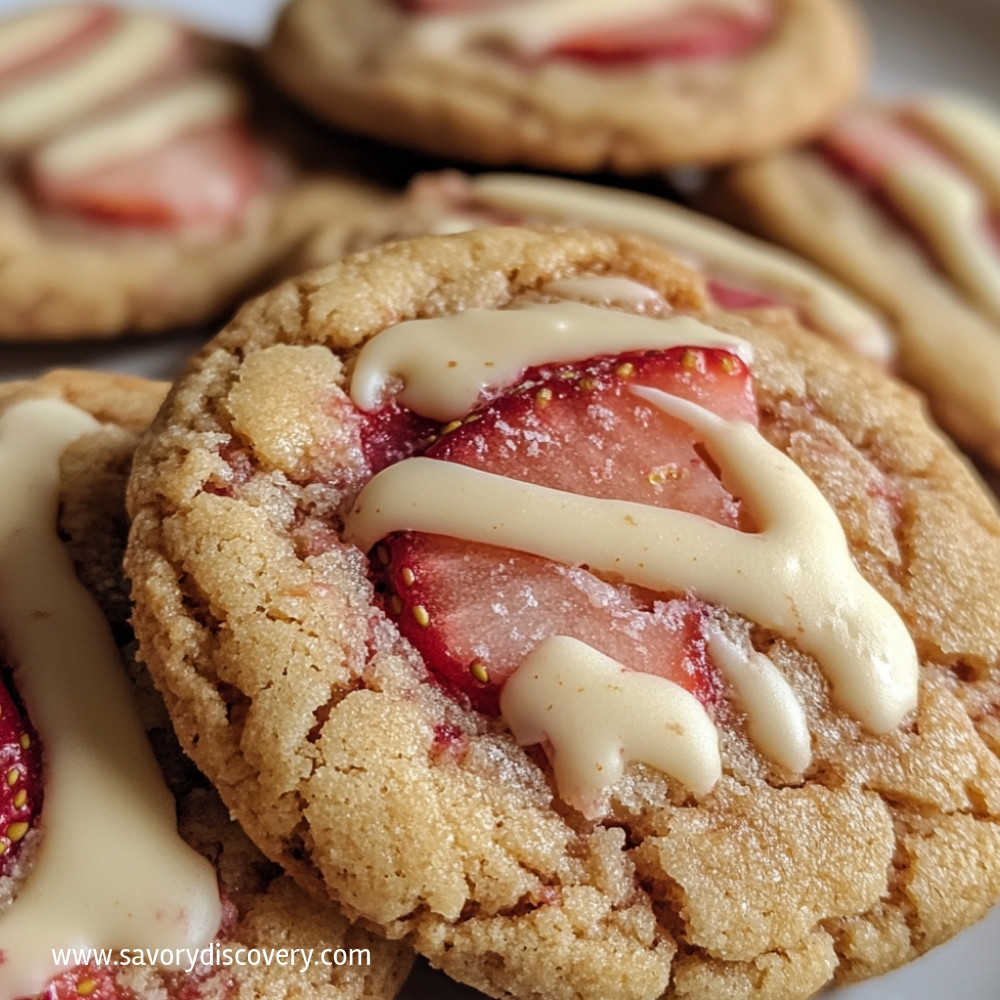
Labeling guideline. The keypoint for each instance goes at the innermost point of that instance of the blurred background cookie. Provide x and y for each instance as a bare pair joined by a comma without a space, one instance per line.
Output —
146,182
625,87
900,201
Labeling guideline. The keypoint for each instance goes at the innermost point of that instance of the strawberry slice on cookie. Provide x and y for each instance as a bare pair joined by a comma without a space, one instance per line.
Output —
695,33
581,429
20,779
202,180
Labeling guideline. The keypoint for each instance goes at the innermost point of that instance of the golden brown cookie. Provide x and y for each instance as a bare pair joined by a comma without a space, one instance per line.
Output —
66,441
145,185
629,88
598,644
897,202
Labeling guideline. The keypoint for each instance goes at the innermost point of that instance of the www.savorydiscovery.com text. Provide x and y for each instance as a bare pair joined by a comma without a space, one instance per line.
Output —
215,954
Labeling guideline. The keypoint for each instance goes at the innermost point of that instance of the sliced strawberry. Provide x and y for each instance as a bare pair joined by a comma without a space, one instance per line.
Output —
20,778
732,297
474,611
698,33
393,433
94,981
202,179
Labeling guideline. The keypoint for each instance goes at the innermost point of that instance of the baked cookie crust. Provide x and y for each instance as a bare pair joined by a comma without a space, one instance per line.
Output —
357,66
324,733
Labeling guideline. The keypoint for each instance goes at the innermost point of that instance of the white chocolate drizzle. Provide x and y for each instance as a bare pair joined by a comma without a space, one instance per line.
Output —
36,32
601,289
709,246
34,108
776,720
793,575
597,716
968,129
196,103
947,202
951,211
439,369
110,870
532,28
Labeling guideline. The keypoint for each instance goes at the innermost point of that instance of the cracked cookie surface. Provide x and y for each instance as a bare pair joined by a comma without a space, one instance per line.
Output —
323,730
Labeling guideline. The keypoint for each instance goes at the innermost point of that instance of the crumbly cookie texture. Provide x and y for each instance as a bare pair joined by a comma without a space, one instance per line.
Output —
324,733
264,907
357,65
800,201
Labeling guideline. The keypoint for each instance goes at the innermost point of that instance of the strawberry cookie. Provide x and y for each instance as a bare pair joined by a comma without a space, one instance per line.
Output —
740,272
134,194
110,839
630,86
902,203
595,642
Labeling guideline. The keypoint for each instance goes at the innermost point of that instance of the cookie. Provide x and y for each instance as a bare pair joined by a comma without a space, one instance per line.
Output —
136,194
629,88
896,201
98,826
391,509
740,272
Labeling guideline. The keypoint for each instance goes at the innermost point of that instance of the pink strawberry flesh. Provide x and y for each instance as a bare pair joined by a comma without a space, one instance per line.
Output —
688,35
202,179
474,611
20,776
733,297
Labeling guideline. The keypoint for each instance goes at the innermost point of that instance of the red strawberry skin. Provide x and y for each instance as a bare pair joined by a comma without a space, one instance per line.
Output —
474,611
20,776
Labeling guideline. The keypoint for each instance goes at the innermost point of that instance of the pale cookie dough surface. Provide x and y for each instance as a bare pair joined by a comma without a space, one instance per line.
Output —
322,731
263,907
355,65
946,347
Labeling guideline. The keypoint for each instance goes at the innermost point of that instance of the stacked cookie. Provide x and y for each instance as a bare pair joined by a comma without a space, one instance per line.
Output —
545,577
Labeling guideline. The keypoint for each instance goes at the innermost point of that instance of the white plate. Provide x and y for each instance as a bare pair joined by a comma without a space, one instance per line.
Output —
919,44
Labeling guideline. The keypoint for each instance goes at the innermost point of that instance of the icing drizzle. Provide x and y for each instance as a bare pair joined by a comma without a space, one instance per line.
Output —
110,870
